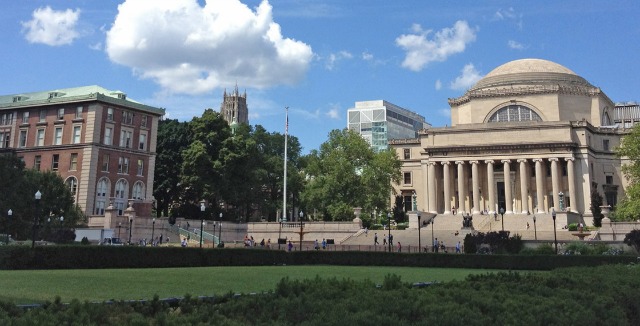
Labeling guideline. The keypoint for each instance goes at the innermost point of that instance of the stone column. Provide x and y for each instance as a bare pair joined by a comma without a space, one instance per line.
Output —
571,178
507,187
539,185
433,208
461,192
491,186
447,187
555,183
476,187
425,178
524,186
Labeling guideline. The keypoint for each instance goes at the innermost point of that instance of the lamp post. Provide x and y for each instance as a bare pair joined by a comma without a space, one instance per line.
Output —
220,230
555,239
119,229
433,219
202,209
153,229
502,217
419,228
130,227
9,213
38,196
301,227
389,226
279,232
535,230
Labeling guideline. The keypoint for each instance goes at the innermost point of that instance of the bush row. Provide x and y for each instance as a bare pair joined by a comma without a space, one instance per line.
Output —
84,257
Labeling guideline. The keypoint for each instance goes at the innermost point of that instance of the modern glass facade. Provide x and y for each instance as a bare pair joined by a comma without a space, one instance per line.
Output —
380,121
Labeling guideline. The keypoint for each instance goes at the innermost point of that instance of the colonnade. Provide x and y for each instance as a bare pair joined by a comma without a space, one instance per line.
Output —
442,195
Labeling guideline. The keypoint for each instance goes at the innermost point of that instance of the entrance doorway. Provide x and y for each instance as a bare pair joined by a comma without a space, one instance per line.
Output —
501,200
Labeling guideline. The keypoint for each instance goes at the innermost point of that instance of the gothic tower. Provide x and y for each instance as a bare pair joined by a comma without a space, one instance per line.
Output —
234,107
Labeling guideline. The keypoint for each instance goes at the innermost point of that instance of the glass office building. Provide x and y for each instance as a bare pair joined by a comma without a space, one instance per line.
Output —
380,121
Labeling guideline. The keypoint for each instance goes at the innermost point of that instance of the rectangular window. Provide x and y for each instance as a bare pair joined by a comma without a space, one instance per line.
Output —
4,139
40,137
407,178
143,122
105,163
123,165
127,117
36,162
43,115
143,142
22,141
407,153
25,117
58,136
110,114
108,135
73,164
125,138
61,114
140,167
6,119
79,112
76,134
100,207
605,145
609,179
55,162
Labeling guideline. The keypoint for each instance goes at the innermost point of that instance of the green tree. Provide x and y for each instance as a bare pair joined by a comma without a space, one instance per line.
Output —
628,209
346,173
596,202
173,138
632,239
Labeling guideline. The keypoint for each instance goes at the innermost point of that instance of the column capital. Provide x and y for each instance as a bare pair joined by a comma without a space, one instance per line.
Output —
553,159
505,161
459,162
445,162
489,161
537,160
473,162
424,162
569,159
522,160
432,163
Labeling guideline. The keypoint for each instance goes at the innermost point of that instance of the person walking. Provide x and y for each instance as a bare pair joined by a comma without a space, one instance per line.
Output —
324,244
375,239
399,247
458,247
435,245
290,246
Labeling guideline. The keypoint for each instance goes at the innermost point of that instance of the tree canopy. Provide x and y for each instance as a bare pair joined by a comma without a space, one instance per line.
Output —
346,173
628,209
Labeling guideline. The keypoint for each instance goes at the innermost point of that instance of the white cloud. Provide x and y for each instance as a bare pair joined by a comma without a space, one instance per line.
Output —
509,14
51,27
515,45
96,46
333,113
438,84
367,56
333,58
420,50
469,77
191,49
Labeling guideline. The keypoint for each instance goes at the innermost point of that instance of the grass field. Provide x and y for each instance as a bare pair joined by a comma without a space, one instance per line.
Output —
39,286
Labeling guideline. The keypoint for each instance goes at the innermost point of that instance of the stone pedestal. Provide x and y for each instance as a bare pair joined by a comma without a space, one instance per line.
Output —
413,220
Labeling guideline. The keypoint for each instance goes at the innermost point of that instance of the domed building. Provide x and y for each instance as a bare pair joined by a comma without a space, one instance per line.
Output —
531,137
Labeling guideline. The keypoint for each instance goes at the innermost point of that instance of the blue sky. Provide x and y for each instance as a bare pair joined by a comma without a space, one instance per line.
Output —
316,57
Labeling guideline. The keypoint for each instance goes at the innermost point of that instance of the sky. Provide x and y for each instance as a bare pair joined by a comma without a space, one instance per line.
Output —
315,57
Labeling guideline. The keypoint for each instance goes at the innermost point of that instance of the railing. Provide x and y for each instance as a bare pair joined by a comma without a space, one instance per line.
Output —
195,236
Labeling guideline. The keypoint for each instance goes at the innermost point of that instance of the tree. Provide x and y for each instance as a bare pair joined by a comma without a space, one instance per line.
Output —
347,173
173,138
629,150
632,239
596,202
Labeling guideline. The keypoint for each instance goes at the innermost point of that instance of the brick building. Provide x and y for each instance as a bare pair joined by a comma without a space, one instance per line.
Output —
99,141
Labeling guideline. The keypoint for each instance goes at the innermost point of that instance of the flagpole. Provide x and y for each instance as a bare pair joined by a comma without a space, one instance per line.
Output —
284,193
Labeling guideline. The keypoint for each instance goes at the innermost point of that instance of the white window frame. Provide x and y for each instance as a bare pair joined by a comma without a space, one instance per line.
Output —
110,113
108,136
142,141
77,134
73,162
22,138
40,134
140,167
79,110
57,136
60,114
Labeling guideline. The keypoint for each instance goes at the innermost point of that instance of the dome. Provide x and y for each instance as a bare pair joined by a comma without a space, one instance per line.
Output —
530,72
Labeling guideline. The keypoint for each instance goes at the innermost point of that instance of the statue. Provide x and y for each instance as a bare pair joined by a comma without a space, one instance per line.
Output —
467,221
414,199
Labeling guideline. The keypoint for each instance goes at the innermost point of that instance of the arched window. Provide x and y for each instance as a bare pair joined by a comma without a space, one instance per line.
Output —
121,193
72,184
138,191
606,120
514,113
102,189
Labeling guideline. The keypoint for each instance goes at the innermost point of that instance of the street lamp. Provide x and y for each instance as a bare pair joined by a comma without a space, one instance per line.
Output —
119,229
130,227
38,196
220,230
555,239
502,217
202,209
535,230
301,214
153,229
389,225
9,213
419,227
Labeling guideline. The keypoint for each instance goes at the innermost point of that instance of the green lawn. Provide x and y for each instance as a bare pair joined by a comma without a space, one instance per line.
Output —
129,284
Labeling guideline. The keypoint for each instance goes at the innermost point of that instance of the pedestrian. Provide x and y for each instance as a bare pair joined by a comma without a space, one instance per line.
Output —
384,240
161,239
435,245
495,216
315,245
269,243
290,246
399,247
167,239
324,244
262,243
366,231
527,225
454,210
375,239
391,239
458,247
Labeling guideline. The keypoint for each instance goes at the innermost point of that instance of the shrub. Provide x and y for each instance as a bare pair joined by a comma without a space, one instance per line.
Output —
84,241
573,227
